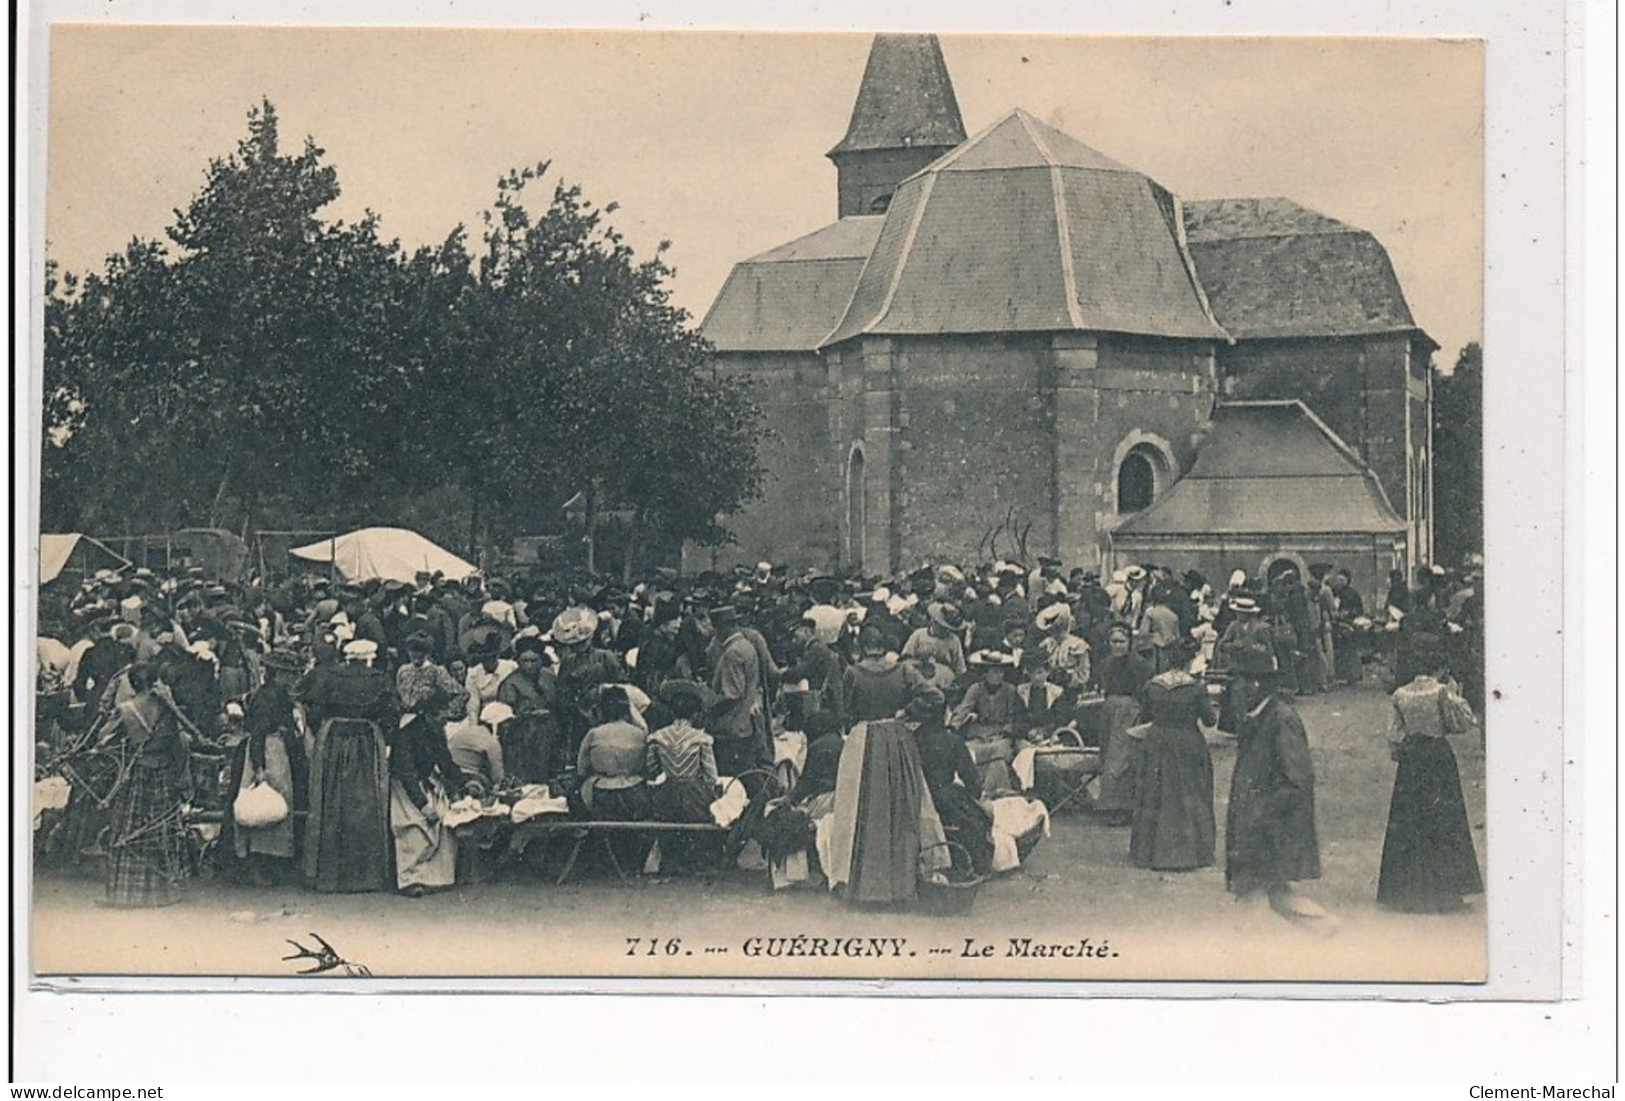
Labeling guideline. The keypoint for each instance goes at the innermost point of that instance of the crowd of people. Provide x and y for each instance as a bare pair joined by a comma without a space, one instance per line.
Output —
376,713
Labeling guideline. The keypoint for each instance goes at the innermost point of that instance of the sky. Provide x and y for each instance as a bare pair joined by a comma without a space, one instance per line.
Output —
715,141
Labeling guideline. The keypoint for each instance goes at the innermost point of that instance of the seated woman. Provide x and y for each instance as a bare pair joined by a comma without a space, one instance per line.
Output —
423,780
611,762
475,747
990,717
681,757
1046,708
953,780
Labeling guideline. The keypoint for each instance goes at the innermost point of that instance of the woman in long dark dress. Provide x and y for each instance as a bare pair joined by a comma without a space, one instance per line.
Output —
147,858
952,778
1428,860
348,846
1174,828
1123,676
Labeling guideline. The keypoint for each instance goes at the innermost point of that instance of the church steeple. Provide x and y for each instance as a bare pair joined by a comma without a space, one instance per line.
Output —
905,117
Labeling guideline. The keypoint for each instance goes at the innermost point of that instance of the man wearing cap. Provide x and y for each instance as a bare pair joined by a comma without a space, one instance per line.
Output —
738,720
1248,643
817,665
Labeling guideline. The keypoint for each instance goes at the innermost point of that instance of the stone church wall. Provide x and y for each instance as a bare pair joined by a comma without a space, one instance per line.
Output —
795,520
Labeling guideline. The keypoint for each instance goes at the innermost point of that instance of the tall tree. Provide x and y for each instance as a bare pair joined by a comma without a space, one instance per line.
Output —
252,357
1458,457
590,380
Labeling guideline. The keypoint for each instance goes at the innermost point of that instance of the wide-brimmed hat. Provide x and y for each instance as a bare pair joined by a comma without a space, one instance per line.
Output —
1244,605
945,615
1053,615
360,649
992,659
574,625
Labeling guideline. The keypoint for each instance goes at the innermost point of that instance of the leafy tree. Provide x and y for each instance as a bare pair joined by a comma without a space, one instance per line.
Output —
1458,457
590,380
251,358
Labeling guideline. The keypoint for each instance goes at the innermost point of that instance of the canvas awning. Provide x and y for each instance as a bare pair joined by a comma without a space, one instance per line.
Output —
87,555
389,554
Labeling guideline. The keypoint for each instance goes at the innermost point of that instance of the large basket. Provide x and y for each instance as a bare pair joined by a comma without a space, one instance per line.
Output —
954,896
1069,758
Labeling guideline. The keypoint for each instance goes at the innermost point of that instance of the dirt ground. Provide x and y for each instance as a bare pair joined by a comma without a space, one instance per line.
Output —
1099,917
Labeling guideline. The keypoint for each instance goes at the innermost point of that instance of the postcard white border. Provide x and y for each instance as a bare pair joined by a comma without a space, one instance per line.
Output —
1547,942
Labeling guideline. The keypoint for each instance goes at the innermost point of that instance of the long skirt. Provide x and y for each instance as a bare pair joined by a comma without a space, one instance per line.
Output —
347,843
884,816
274,840
147,862
681,801
1428,861
967,825
1350,666
1174,827
425,851
1119,756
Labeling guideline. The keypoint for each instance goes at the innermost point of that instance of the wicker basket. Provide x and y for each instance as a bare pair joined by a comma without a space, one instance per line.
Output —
955,896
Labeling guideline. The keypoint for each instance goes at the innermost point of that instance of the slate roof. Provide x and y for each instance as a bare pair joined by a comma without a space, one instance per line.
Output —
1273,268
1269,468
905,98
1023,228
790,297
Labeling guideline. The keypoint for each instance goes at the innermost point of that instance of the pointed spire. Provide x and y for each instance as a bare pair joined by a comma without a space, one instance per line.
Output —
906,98
906,116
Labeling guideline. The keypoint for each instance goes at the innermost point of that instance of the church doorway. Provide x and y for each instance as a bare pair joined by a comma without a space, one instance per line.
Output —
857,510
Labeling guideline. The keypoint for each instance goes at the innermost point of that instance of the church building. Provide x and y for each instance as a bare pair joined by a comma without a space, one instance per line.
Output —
1011,345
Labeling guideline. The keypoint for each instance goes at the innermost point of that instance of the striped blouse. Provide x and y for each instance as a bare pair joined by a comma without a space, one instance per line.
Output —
684,753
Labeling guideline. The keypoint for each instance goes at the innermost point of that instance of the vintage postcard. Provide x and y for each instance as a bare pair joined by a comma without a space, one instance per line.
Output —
522,504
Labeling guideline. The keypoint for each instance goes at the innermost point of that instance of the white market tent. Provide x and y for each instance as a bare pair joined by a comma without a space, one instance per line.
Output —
389,554
87,555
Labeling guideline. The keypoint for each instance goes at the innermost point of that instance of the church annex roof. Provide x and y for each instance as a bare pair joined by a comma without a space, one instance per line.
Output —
788,298
1023,228
1273,268
905,99
1269,468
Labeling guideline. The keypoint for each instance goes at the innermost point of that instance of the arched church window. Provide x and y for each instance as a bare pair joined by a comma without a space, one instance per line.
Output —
1136,481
